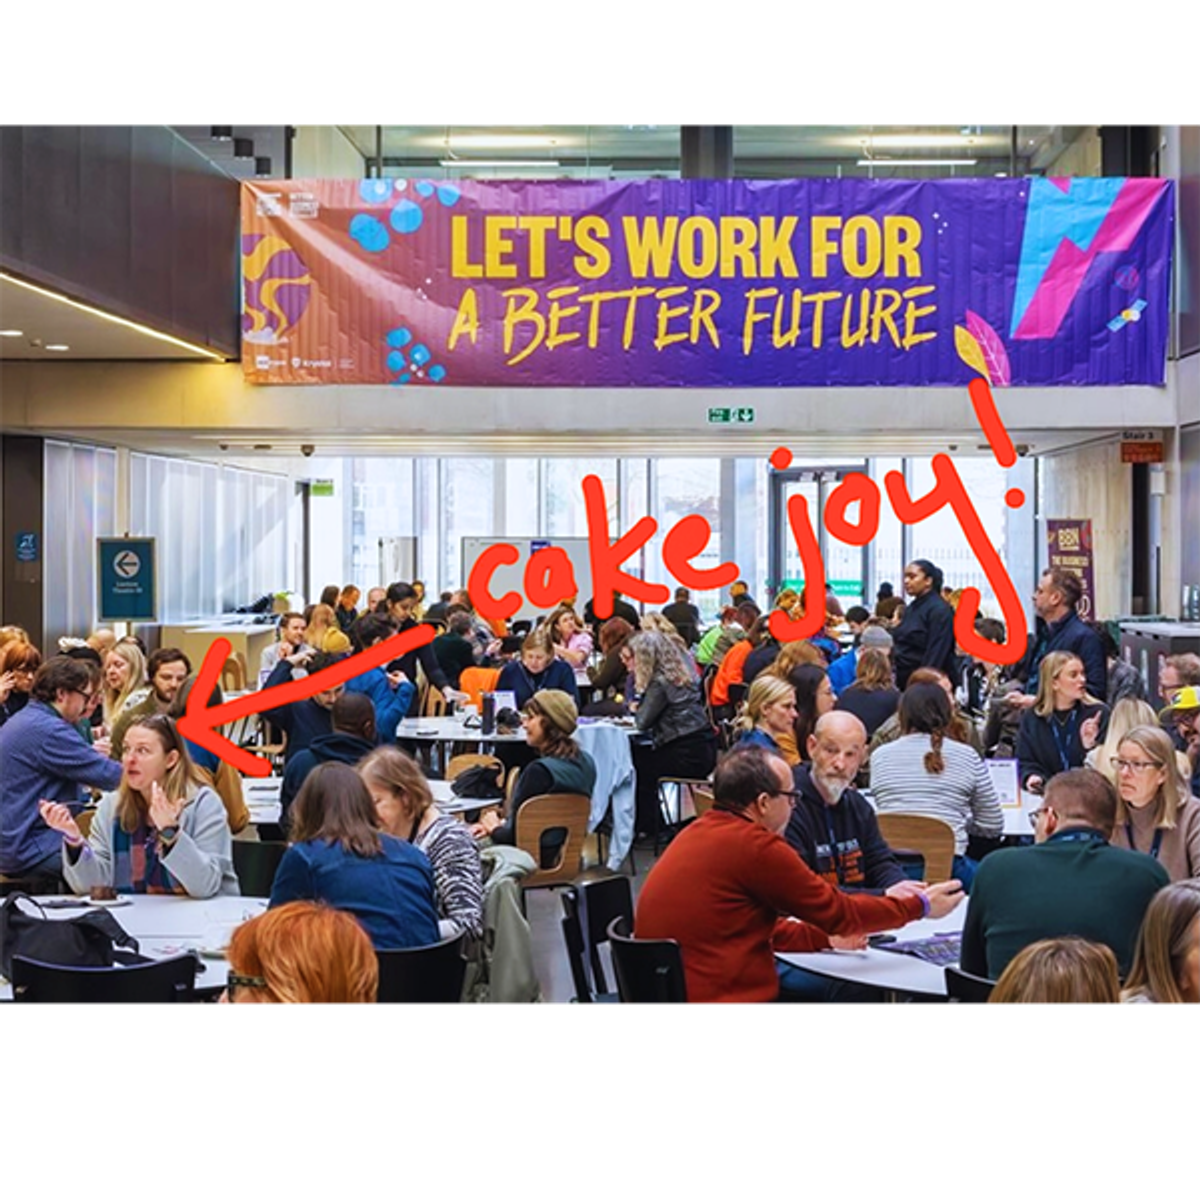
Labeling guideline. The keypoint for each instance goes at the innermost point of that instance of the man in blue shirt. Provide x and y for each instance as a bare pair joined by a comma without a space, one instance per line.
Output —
43,757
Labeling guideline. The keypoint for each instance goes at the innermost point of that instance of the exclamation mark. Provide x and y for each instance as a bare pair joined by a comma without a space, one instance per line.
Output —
997,436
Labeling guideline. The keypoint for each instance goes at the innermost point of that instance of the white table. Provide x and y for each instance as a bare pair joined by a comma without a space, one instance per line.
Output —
166,926
884,968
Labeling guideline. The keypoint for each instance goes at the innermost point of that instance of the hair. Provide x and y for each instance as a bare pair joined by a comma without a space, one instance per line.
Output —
388,767
1163,943
655,655
116,698
10,634
553,619
959,729
60,673
1187,666
748,615
741,775
354,713
18,655
887,606
460,622
857,614
351,593
396,593
806,680
557,743
161,658
1052,666
306,953
1128,713
1065,970
765,690
653,622
786,598
934,573
613,633
873,670
320,661
925,708
329,595
179,705
181,782
538,639
284,618
792,655
86,654
1156,742
1066,583
321,620
334,806
990,629
369,628
1104,633
1083,797
885,592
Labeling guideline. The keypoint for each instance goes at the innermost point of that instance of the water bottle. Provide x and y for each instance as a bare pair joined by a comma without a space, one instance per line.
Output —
488,714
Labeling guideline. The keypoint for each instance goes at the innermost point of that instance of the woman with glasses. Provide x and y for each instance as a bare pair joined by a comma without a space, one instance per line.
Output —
1166,962
1153,813
162,831
17,668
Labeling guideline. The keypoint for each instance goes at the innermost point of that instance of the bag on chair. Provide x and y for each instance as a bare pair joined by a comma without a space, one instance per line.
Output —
90,940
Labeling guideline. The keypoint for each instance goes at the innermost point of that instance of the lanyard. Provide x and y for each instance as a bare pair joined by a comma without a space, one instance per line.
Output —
833,848
1078,835
1156,845
1063,735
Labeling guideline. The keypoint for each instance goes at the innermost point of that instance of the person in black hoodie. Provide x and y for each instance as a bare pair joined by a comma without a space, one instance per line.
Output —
399,603
302,720
925,635
351,739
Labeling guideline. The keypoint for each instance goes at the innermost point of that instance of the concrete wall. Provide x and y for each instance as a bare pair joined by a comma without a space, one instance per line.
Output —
324,152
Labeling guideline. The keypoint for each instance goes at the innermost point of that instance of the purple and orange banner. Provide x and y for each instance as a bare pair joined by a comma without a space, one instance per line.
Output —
1069,545
707,283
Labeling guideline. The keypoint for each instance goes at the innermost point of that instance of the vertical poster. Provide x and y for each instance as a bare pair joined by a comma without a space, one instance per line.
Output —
1069,545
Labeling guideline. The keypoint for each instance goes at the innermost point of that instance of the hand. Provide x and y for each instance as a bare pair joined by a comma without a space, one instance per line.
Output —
455,695
944,897
1035,784
1019,700
493,648
856,941
163,812
906,888
1089,731
58,816
103,745
396,678
7,682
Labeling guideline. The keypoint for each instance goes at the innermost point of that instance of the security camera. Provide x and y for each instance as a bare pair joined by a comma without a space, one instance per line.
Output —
223,445
1022,449
308,451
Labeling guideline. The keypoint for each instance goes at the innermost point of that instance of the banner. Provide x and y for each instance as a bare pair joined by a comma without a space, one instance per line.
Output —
1069,545
707,283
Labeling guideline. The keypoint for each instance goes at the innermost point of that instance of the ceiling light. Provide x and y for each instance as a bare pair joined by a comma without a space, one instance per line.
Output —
221,133
58,346
917,162
468,163
905,141
12,333
98,312
498,141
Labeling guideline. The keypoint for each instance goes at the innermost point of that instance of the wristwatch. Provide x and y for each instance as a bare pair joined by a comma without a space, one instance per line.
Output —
168,833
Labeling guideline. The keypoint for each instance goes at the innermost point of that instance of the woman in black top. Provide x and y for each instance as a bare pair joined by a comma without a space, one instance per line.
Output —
925,635
398,604
1063,725
871,697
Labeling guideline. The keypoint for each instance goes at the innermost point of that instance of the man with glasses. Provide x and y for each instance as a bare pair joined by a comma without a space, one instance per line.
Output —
1183,712
728,887
1071,883
44,757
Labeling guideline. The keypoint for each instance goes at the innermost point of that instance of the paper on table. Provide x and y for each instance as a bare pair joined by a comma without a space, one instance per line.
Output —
1005,780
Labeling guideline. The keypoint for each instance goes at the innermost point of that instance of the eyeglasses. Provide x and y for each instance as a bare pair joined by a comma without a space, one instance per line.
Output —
1129,764
1037,812
247,981
88,697
790,796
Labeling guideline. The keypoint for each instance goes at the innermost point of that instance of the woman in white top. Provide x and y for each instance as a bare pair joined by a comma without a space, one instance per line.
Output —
926,773
162,831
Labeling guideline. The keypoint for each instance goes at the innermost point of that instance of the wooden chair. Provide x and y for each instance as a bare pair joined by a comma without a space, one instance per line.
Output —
477,680
702,798
929,837
462,762
649,971
433,703
966,988
233,673
542,813
511,786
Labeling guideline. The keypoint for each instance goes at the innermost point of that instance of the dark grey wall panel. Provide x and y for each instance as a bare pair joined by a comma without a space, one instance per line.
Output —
133,220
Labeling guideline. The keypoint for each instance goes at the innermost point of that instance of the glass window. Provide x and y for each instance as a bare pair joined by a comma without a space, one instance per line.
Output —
888,547
467,501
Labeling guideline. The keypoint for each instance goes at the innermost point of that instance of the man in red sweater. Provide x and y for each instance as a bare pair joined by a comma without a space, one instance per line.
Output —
727,885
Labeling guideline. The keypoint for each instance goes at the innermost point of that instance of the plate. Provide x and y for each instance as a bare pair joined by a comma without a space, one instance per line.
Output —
116,902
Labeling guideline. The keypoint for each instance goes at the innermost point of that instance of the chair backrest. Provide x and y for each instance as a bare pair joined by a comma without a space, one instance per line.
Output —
170,981
463,762
602,899
255,864
929,837
541,813
424,975
477,680
433,703
702,798
648,971
511,785
966,988
84,821
572,928
233,673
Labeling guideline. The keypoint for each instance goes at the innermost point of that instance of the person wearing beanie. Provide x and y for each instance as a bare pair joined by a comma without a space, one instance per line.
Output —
925,635
561,768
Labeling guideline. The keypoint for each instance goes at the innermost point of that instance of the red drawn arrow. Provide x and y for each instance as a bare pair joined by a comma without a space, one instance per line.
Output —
199,723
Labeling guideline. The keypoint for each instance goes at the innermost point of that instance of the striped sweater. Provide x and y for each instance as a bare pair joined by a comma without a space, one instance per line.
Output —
458,879
962,795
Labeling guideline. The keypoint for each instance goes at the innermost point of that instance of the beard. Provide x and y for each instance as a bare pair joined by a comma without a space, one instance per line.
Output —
830,786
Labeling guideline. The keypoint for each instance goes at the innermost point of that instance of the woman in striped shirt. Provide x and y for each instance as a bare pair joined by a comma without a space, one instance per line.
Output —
929,775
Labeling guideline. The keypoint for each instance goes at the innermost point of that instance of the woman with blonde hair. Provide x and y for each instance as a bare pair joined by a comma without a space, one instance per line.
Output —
322,622
125,682
1128,713
1064,723
767,715
302,953
653,622
1166,960
1066,970
1154,816
162,831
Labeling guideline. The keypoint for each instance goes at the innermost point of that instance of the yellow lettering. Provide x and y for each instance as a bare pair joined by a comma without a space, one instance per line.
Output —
861,262
753,316
596,258
665,313
557,312
633,295
883,315
775,248
818,300
738,237
856,337
647,245
537,228
496,246
697,264
466,320
823,246
595,300
901,237
912,314
460,265
702,315
514,316
779,339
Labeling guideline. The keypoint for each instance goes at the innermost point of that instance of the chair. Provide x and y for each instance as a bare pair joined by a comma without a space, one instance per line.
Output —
572,928
602,897
255,864
424,975
648,971
433,702
477,680
542,813
929,837
702,799
463,762
668,821
511,785
233,673
171,981
966,988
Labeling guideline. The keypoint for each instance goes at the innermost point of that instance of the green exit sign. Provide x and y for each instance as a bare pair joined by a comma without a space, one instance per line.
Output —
731,416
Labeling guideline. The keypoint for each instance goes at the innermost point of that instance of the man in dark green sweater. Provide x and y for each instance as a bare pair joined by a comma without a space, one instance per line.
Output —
1071,882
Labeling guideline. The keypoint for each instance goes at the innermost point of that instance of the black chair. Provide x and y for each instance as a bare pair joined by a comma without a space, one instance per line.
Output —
255,864
967,988
425,975
602,898
171,981
572,928
648,971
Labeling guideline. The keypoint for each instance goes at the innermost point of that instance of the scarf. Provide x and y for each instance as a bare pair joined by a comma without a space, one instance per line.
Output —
137,865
